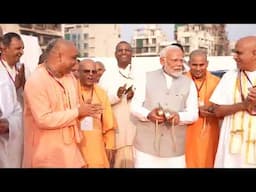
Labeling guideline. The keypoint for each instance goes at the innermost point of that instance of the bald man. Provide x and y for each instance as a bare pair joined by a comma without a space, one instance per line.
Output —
202,136
52,111
98,143
235,99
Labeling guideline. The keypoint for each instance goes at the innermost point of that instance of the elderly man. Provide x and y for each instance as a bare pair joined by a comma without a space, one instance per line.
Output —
164,102
100,70
99,133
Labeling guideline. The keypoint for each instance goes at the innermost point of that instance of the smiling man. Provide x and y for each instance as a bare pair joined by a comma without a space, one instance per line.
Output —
98,128
118,83
203,135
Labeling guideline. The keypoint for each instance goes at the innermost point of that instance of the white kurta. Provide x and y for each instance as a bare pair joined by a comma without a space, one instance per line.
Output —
224,95
112,79
11,144
189,115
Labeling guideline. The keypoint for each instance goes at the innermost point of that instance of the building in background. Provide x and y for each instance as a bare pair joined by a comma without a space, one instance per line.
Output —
210,37
93,40
149,41
44,32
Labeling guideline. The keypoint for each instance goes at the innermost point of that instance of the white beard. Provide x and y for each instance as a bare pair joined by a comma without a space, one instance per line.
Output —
176,74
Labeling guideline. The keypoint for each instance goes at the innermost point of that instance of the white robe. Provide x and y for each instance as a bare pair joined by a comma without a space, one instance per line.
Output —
224,95
11,144
111,80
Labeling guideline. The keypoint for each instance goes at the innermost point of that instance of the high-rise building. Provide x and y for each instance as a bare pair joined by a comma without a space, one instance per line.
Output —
148,41
210,37
93,40
44,32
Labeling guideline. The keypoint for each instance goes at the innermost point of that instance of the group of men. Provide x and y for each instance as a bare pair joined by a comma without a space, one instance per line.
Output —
159,119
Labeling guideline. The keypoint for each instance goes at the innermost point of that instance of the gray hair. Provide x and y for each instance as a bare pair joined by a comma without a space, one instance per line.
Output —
164,51
100,63
198,52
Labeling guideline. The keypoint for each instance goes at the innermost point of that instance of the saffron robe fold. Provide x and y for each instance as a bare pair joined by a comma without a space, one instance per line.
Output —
51,130
202,137
102,137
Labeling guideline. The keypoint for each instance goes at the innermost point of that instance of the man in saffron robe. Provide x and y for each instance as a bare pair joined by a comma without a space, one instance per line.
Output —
98,142
52,111
203,135
235,99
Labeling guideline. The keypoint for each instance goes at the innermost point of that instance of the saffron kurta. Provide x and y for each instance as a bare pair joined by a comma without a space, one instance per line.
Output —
51,133
102,136
203,135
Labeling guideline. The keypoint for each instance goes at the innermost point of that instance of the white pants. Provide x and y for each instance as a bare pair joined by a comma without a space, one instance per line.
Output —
144,160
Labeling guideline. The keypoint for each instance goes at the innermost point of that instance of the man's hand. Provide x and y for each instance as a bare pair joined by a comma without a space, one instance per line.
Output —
4,126
129,93
92,110
205,111
153,116
121,90
174,119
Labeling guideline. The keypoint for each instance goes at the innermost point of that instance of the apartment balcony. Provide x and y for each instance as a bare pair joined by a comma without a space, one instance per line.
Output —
40,26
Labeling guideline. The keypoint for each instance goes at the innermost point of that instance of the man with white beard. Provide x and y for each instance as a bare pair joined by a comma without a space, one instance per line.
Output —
164,102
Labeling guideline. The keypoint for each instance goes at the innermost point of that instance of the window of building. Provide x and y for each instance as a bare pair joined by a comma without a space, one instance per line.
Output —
186,40
67,36
186,49
73,37
85,36
153,49
139,43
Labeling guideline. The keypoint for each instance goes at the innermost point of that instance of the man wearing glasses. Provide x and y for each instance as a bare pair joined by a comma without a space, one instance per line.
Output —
98,129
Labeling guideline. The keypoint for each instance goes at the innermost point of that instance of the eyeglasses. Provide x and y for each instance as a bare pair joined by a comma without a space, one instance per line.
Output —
88,71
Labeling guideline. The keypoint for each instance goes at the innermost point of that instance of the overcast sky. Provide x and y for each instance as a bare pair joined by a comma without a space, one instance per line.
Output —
235,31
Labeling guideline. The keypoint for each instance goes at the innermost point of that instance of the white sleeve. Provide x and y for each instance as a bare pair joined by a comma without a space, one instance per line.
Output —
138,99
108,83
190,113
224,91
